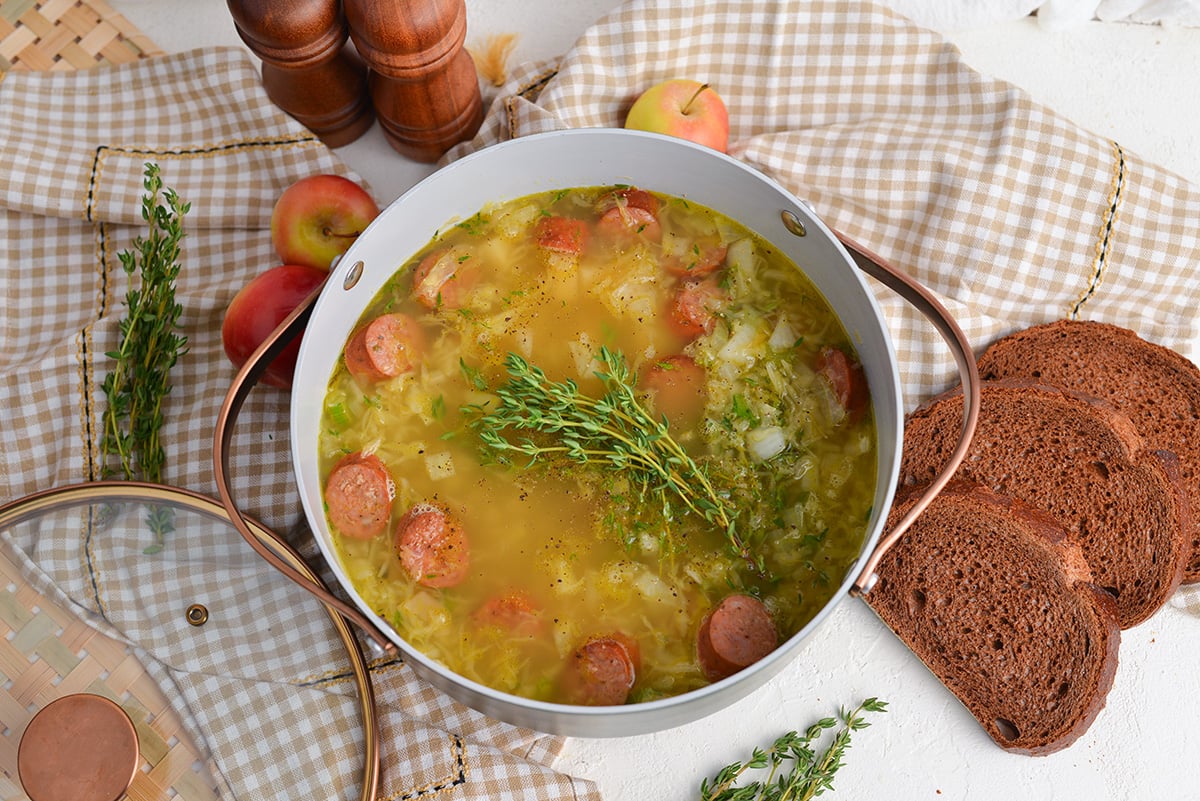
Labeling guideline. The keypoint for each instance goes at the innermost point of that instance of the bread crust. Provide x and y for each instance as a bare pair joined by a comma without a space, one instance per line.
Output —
1157,388
1013,627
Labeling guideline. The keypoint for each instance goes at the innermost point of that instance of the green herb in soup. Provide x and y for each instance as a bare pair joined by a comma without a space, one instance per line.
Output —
598,446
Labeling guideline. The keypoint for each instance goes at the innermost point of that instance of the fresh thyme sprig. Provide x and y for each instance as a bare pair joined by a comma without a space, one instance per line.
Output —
614,429
807,776
150,345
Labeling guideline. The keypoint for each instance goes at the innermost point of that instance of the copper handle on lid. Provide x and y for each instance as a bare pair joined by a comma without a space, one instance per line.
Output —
287,331
925,302
80,747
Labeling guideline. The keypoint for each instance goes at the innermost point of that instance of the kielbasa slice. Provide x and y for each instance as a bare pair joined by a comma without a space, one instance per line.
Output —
358,496
693,307
601,672
701,260
386,347
734,635
630,197
514,613
847,380
678,388
443,279
432,546
629,212
628,221
562,234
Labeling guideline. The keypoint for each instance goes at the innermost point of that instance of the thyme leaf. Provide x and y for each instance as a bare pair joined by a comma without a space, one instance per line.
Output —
794,769
614,431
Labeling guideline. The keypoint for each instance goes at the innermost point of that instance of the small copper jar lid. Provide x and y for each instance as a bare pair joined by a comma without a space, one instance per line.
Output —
79,747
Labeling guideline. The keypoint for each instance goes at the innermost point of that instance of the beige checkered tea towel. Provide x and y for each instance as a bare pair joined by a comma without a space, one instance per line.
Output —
265,689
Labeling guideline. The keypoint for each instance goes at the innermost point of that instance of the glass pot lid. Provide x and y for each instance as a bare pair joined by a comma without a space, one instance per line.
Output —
116,586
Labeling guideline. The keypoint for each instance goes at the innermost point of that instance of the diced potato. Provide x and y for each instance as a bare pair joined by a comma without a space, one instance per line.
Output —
439,465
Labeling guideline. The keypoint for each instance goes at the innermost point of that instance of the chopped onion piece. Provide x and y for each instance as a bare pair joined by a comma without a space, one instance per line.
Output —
765,442
582,355
740,254
745,344
783,337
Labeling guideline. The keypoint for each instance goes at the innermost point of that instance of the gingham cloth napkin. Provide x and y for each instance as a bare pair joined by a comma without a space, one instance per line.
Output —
264,687
1010,213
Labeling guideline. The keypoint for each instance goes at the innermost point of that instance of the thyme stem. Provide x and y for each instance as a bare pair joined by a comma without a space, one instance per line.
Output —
614,429
806,776
150,345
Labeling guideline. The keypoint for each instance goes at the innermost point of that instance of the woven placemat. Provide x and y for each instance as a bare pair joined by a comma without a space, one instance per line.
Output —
47,653
67,35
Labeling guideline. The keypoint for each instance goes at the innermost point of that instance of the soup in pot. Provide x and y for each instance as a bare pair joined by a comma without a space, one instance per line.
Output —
597,446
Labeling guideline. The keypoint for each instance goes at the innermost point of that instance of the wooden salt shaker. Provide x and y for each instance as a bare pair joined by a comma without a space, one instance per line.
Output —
307,69
423,81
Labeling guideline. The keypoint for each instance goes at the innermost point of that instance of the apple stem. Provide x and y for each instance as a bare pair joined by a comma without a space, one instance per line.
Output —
688,105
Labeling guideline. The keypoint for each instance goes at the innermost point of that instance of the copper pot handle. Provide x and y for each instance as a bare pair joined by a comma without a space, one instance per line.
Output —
287,331
868,261
925,302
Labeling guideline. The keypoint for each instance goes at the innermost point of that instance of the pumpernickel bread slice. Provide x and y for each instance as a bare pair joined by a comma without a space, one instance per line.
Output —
995,598
1154,386
1079,459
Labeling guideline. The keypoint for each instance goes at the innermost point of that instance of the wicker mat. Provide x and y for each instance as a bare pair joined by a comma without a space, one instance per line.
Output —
46,653
66,35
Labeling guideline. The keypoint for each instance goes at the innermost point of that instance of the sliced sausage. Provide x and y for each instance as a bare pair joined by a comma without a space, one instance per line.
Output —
386,347
514,613
693,307
847,380
626,221
443,279
734,635
358,496
432,546
701,259
601,672
562,234
629,197
629,212
678,388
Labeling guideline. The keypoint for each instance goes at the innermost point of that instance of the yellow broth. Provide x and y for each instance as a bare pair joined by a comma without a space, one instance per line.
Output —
570,538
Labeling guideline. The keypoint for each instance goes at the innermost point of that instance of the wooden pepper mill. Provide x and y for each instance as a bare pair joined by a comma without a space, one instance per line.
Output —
307,69
422,80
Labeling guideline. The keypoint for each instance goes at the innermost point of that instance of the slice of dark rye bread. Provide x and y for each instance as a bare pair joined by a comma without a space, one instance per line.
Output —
995,598
1154,386
1083,462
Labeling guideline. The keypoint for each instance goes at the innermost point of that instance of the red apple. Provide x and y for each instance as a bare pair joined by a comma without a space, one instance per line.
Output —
688,109
258,309
317,218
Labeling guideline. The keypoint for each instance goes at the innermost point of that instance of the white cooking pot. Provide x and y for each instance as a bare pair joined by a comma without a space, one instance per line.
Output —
579,158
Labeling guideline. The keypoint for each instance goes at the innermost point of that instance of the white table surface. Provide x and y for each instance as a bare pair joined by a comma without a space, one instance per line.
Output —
1139,85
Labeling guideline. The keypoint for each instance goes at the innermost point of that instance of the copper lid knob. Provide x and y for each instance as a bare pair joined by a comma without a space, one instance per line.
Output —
78,748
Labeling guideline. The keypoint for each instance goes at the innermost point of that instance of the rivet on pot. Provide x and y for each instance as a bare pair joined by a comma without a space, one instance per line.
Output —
352,275
792,223
197,614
